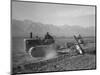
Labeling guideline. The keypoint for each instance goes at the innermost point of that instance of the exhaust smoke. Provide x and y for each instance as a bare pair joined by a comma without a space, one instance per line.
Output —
50,53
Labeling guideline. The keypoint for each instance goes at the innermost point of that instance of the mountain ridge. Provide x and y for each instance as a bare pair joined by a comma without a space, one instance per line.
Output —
22,28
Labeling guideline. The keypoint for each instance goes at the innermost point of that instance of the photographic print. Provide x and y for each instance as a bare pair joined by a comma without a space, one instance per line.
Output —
52,37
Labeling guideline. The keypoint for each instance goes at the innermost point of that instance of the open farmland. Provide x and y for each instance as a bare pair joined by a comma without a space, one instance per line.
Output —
23,62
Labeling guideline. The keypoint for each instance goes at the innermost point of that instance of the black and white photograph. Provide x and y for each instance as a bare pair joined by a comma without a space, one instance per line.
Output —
52,37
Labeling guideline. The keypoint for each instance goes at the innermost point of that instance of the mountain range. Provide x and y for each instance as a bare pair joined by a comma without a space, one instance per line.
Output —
22,28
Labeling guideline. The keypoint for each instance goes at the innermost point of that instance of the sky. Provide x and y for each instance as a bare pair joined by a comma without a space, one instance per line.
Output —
56,14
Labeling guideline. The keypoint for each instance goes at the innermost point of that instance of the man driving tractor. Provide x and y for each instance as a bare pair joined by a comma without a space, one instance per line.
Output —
48,39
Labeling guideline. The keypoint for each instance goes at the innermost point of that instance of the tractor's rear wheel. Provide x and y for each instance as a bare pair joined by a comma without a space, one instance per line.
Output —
37,52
